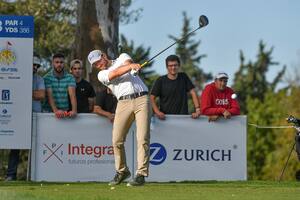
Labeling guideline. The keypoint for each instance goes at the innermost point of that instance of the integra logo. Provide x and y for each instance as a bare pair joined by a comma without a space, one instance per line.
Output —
158,154
202,154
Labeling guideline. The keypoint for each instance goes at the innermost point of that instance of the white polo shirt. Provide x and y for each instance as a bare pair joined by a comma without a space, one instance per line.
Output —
125,84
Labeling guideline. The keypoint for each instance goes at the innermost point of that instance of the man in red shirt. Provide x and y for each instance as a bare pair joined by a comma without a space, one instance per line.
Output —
219,100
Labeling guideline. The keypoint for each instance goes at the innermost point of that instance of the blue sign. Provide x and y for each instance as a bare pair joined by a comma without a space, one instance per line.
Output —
16,26
158,154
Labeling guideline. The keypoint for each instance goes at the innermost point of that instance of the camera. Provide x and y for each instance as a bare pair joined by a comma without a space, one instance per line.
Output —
296,122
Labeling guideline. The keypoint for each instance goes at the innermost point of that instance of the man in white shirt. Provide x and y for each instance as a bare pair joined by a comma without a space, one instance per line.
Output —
133,103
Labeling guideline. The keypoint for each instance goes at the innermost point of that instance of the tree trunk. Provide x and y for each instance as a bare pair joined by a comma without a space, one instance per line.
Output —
97,28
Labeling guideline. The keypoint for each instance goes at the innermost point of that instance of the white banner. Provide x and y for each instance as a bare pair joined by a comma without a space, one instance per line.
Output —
181,149
198,150
77,149
16,52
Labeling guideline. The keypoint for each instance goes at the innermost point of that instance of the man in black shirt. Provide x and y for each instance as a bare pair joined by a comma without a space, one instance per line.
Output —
106,104
85,93
172,90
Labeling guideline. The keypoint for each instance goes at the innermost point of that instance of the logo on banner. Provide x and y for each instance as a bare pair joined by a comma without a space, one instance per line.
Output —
158,154
7,55
4,111
53,151
5,95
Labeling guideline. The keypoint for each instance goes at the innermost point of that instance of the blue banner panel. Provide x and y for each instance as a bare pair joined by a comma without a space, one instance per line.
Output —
16,26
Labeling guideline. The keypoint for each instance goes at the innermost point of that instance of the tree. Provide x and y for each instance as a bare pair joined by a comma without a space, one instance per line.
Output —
139,54
288,100
187,50
98,28
250,80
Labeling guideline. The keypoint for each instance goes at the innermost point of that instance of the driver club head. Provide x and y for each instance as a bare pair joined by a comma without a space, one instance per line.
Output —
203,21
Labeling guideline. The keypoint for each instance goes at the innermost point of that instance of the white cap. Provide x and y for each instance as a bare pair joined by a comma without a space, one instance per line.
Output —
94,56
221,75
36,60
73,62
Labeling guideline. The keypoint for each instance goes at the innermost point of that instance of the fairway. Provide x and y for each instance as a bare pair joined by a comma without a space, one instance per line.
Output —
198,190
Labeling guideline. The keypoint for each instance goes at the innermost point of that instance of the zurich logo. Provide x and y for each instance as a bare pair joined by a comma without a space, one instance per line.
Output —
158,154
4,111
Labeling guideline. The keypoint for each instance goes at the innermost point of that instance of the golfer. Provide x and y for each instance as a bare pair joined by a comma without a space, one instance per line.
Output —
133,104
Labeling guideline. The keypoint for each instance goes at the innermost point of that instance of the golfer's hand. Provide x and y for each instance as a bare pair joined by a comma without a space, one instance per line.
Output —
135,67
226,114
161,115
213,118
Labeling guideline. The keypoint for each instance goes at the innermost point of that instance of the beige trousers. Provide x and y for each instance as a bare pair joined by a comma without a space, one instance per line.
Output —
126,112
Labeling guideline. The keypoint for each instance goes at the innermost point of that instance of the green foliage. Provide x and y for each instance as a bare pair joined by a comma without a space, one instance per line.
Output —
268,148
288,102
187,50
250,80
139,54
261,142
128,16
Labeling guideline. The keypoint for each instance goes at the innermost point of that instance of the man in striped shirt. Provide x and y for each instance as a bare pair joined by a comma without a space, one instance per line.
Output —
60,86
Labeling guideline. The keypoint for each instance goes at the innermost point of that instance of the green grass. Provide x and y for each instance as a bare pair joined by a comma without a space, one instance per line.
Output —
151,191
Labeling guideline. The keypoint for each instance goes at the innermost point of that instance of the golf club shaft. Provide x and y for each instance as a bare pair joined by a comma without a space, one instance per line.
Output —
177,41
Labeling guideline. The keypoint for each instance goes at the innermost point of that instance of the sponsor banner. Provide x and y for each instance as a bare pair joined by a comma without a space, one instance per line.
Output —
78,149
16,52
198,150
181,149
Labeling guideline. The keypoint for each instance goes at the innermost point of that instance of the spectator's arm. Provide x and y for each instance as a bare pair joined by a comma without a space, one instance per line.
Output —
92,101
51,100
153,103
235,108
155,108
38,95
72,94
99,111
196,114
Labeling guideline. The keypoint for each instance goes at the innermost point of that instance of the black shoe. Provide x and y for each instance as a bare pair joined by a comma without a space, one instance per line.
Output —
139,180
120,177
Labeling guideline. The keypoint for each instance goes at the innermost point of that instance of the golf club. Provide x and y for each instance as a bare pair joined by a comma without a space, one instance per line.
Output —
203,21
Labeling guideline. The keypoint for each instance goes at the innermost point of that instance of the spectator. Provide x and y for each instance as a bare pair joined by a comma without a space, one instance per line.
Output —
172,90
106,104
60,86
38,94
85,94
218,100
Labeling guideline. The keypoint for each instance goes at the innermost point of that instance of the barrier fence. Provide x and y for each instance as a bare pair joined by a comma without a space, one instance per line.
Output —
181,149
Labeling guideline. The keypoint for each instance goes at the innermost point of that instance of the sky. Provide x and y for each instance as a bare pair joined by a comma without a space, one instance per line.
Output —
234,25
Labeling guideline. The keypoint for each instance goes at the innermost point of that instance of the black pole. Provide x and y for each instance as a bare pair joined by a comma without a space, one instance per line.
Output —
286,163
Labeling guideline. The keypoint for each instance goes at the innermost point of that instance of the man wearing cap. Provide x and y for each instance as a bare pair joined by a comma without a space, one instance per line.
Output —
85,93
38,94
133,104
218,100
